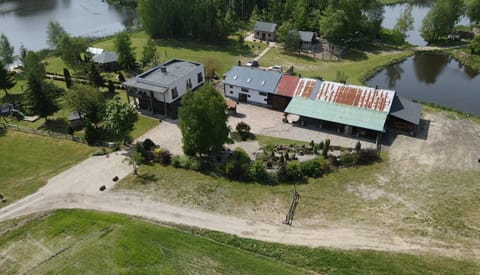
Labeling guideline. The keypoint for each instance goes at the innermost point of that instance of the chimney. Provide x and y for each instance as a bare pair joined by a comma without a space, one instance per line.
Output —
163,69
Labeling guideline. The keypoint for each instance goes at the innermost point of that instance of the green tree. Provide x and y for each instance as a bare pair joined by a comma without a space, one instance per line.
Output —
68,78
134,159
41,96
88,102
475,44
203,121
6,51
150,55
71,49
292,41
333,25
341,77
7,80
238,165
33,66
404,23
123,46
120,118
441,19
55,31
95,77
472,10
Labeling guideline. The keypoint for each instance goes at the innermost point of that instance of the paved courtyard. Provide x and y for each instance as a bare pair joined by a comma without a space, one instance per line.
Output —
263,121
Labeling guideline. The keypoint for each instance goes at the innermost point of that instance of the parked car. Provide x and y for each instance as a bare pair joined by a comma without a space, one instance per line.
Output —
276,68
253,63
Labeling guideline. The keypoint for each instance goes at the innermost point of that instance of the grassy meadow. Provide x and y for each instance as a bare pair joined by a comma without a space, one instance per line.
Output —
75,241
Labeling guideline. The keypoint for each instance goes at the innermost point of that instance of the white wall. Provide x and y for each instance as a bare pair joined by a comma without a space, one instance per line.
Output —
254,95
181,85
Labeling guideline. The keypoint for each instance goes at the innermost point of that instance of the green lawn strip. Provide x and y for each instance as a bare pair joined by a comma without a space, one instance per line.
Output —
28,161
357,65
271,141
93,242
336,261
142,126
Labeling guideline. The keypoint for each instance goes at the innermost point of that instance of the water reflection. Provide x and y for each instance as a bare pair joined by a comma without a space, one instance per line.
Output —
429,67
433,78
34,7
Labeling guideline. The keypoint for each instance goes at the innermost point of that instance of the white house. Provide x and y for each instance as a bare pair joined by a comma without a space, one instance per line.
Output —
160,89
251,85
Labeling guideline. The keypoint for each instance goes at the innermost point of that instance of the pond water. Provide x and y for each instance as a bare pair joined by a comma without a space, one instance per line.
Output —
25,21
419,10
437,79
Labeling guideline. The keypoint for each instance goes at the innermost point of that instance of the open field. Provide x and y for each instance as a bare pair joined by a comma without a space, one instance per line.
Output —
75,241
28,161
424,194
89,242
356,65
226,54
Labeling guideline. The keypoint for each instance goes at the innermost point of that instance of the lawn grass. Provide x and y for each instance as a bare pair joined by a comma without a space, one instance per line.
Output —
95,243
142,126
92,242
357,65
226,53
271,141
28,161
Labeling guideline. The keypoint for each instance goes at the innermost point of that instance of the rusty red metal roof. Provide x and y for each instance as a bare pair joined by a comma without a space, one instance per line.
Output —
287,85
306,87
356,96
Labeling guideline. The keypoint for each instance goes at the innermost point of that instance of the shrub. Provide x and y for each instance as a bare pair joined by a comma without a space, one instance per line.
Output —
148,144
348,159
243,130
111,86
91,133
258,172
320,145
367,156
358,146
177,161
238,165
186,162
146,155
293,171
162,156
313,168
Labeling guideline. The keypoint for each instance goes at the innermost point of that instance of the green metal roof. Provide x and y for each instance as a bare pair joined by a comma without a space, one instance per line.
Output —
339,113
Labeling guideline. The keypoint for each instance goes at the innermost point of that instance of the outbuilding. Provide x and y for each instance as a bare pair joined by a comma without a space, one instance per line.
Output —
265,31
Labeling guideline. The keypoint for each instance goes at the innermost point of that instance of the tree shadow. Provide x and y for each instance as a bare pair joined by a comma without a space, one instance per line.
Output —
12,98
3,131
147,178
58,125
422,133
355,55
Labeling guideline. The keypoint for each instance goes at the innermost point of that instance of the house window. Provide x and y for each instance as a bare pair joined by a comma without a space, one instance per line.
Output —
244,90
263,94
174,93
200,78
189,84
269,34
258,33
249,96
231,92
231,86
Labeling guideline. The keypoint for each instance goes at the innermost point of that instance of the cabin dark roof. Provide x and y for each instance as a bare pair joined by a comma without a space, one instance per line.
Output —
306,36
265,27
73,116
406,110
105,57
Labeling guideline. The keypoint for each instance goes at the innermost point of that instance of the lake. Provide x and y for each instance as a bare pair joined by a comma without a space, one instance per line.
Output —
25,21
392,13
437,79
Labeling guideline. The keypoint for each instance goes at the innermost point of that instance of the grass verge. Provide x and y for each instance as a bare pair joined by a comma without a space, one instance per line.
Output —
28,161
76,241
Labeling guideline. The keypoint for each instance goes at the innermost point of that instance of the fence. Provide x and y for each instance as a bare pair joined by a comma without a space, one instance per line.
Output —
27,130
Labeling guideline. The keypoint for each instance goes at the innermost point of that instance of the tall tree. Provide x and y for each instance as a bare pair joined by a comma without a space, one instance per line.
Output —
292,41
88,102
441,19
33,66
6,79
123,46
95,77
404,22
68,78
55,31
7,51
472,9
203,121
120,118
333,25
150,55
71,50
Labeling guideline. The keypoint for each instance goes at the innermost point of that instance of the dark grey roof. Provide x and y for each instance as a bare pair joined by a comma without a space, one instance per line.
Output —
405,109
306,36
105,57
158,78
5,109
265,27
255,79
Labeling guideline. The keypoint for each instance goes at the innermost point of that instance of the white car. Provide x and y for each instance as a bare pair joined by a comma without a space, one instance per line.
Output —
276,68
